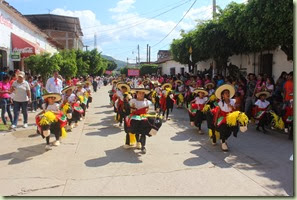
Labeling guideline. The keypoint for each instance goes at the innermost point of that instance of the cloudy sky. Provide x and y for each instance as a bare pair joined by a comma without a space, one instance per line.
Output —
120,25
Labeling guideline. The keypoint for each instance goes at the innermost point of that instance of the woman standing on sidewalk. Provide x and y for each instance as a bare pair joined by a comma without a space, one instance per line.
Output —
22,97
5,98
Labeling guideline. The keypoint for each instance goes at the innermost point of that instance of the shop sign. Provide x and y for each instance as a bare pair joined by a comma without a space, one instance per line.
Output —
15,56
5,22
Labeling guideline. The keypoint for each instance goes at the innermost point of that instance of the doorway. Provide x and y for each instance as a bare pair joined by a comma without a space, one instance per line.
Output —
266,62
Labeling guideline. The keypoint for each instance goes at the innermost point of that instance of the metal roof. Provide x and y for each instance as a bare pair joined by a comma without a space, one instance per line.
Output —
56,22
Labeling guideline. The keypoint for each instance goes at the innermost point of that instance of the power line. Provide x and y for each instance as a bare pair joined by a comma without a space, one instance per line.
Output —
176,24
140,22
153,11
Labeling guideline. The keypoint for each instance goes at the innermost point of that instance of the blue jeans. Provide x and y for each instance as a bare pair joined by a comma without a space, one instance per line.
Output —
16,111
34,101
5,107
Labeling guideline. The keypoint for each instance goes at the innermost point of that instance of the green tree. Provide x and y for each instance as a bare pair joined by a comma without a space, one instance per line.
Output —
68,68
82,63
111,65
148,69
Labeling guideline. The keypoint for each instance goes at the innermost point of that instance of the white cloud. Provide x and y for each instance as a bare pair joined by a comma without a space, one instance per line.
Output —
130,27
123,6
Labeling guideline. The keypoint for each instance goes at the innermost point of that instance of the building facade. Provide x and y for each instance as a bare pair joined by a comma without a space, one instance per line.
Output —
19,38
168,65
64,30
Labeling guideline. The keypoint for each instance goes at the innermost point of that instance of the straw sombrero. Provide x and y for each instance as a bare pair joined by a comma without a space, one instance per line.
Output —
89,82
156,83
179,81
68,88
210,83
56,95
225,87
121,84
201,90
146,91
263,93
114,81
166,85
145,82
80,84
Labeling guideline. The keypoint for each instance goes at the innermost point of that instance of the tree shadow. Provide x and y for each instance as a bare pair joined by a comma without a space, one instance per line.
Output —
105,131
107,121
118,155
105,112
106,106
24,154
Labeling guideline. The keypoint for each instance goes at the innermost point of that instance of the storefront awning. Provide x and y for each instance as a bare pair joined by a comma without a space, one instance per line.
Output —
25,47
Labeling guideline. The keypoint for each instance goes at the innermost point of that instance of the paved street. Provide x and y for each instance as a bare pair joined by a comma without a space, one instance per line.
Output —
179,162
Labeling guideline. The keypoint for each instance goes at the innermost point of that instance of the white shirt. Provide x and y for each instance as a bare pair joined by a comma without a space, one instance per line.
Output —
181,88
226,108
120,95
191,89
52,87
139,104
20,91
200,101
81,93
210,92
262,104
71,98
54,107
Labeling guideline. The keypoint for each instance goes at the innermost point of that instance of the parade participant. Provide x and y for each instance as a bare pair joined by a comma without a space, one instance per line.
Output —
5,99
189,96
95,84
51,120
179,90
112,92
210,88
138,122
156,95
88,92
122,89
225,120
166,100
288,119
69,105
198,103
261,108
54,84
80,93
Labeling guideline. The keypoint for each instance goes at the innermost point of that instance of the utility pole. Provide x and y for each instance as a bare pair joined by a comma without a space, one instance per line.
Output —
214,9
127,62
138,55
214,5
95,41
86,47
149,54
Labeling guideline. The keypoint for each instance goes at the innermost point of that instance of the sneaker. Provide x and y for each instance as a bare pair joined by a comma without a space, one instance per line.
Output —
76,125
224,147
13,126
56,143
33,111
48,147
200,132
143,150
72,126
192,124
25,125
126,146
138,145
286,130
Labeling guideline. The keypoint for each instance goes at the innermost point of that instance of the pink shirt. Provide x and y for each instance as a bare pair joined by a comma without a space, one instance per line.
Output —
4,87
200,83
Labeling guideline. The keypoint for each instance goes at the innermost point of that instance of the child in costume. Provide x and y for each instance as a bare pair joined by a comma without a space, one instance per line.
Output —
288,119
261,109
81,94
51,120
179,93
167,99
198,105
122,89
88,92
225,120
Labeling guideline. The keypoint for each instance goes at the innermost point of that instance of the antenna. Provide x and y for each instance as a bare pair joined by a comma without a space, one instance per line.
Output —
95,41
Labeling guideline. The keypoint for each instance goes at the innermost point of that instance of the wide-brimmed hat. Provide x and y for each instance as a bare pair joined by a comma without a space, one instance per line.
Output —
80,84
210,83
121,84
179,81
88,82
166,85
146,91
114,81
156,83
225,87
56,95
145,82
263,93
200,90
68,88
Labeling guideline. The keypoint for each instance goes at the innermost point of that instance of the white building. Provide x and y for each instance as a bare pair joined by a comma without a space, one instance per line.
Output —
273,63
168,65
19,38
